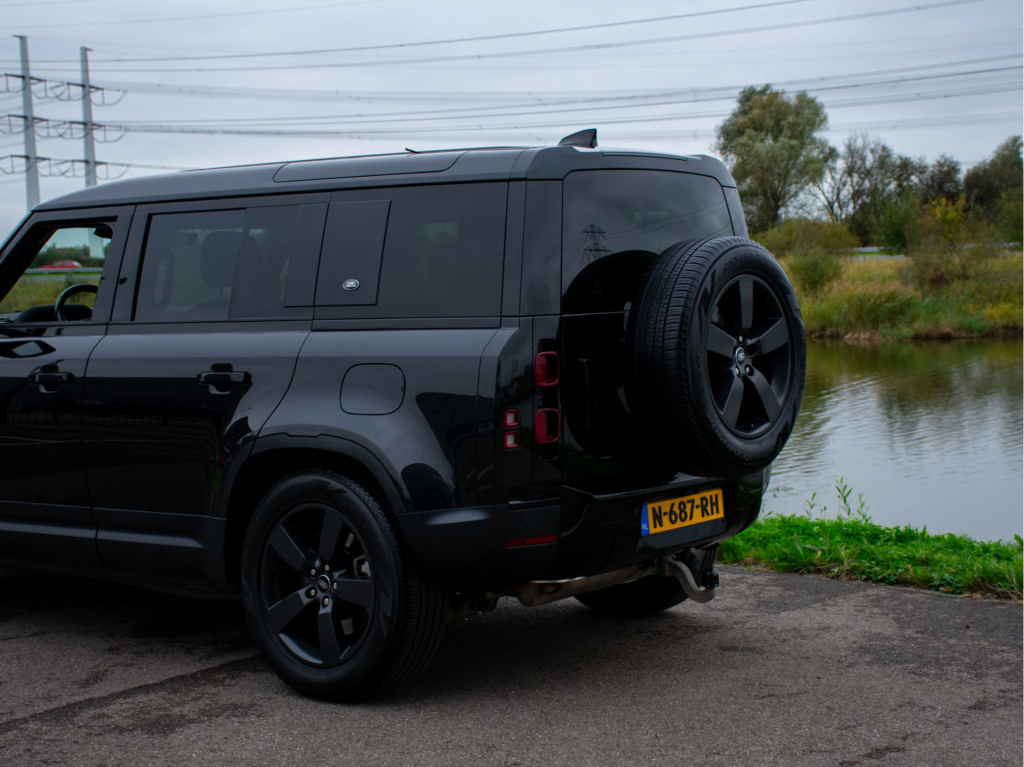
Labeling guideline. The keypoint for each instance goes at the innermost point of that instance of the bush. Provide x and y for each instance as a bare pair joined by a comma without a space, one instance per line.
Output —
858,309
801,235
947,246
813,271
892,227
1011,215
807,250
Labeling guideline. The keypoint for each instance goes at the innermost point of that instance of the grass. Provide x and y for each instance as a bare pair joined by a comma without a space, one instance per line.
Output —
877,300
44,291
852,547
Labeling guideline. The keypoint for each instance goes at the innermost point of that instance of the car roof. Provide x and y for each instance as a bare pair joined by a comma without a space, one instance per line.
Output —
409,168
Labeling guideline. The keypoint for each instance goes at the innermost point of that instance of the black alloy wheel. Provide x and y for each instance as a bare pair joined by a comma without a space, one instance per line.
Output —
332,595
316,584
719,357
748,356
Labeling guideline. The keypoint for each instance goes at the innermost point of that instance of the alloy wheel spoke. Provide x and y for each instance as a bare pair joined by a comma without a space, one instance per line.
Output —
356,591
774,338
771,404
746,286
287,546
282,613
330,531
733,402
330,651
720,342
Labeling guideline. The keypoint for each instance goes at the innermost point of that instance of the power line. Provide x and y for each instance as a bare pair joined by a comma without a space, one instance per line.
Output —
357,130
573,48
60,167
457,40
162,20
506,99
609,102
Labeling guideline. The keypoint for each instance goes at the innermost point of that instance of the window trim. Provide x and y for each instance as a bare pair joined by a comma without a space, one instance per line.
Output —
120,218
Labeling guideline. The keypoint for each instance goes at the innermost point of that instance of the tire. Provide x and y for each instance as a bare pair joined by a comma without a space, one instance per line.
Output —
646,596
332,596
719,357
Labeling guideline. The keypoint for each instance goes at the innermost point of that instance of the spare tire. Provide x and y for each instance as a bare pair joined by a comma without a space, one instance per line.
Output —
719,357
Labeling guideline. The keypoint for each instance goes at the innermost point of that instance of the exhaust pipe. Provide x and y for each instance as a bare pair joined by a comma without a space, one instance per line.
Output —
695,567
537,593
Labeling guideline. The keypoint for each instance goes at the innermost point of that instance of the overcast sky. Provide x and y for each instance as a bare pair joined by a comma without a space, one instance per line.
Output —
197,83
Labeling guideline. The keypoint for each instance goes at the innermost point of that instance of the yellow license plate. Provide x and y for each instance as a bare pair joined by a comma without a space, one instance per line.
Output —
659,516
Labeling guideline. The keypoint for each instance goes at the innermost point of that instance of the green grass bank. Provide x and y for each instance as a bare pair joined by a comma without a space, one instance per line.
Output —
908,299
854,548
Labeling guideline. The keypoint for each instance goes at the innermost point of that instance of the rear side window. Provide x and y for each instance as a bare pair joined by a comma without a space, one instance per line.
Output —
611,212
223,264
440,251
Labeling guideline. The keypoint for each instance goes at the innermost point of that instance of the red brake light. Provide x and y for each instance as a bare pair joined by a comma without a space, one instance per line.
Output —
511,440
545,369
547,426
511,419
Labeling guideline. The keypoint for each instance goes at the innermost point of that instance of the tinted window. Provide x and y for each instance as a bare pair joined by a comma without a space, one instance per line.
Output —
443,251
606,212
353,245
217,265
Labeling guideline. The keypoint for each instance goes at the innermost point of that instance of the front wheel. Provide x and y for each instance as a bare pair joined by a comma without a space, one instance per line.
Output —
333,598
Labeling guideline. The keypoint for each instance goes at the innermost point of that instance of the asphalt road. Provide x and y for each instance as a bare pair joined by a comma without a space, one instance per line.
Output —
778,670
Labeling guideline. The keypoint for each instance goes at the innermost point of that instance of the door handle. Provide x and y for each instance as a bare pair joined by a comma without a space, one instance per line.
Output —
49,377
222,380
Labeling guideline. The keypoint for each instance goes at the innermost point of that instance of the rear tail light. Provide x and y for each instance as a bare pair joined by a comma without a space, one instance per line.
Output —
545,369
547,426
511,419
511,440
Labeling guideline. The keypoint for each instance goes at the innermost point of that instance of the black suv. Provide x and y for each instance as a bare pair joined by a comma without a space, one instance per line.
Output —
373,394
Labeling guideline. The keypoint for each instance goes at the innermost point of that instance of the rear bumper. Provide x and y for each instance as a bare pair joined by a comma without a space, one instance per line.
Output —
499,547
601,533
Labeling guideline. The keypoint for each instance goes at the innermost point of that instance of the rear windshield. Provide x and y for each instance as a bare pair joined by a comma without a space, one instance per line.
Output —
639,212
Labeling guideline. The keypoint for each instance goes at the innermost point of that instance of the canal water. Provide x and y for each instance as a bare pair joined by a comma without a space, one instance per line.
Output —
930,434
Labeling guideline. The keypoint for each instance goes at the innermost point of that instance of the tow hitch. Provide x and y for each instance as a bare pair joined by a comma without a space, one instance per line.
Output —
695,572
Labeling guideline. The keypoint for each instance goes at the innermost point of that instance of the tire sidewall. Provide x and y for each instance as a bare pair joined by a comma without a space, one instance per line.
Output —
742,258
363,669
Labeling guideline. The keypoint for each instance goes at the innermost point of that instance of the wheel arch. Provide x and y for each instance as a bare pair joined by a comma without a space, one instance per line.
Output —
275,457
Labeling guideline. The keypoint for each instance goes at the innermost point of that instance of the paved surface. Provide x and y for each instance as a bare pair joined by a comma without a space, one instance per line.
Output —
779,670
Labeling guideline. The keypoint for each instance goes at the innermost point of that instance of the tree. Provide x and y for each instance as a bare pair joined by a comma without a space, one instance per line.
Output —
856,178
866,187
943,182
987,181
771,145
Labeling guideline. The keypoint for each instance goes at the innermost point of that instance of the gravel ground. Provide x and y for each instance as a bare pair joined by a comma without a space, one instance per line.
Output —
778,670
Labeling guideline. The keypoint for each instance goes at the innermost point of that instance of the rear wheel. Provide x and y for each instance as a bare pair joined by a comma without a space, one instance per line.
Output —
332,596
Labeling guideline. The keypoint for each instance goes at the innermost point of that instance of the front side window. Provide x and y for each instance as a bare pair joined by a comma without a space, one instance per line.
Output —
216,265
60,259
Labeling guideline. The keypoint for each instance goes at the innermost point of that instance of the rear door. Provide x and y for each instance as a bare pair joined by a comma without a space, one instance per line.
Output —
207,324
614,224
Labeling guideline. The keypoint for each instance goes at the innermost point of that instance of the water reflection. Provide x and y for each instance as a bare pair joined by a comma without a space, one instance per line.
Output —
930,433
